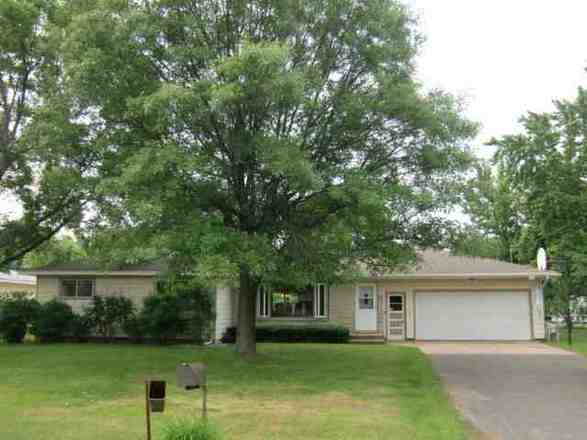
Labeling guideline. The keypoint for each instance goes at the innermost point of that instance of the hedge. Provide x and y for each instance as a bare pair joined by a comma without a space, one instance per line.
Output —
333,333
54,320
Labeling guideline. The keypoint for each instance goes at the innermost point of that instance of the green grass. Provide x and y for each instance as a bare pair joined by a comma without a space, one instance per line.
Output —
579,340
291,391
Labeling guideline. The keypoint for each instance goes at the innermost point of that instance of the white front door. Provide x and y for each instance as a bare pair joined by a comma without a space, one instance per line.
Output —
366,308
396,322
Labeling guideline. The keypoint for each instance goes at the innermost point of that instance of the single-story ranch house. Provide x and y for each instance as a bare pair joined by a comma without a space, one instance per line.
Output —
444,297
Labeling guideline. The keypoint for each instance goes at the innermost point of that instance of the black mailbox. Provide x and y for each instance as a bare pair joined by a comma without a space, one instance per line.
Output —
157,395
191,376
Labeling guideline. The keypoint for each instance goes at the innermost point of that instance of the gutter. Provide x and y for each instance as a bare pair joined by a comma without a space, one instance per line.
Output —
469,276
118,273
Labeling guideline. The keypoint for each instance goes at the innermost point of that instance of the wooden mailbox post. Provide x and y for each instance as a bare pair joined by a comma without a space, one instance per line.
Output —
154,400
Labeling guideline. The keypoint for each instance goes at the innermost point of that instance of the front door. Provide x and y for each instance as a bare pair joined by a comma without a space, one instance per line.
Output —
396,323
366,310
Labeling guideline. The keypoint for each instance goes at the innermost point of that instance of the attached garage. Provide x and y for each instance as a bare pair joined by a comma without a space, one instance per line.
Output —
473,315
445,297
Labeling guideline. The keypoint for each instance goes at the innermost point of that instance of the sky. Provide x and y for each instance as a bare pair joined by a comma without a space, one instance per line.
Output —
506,57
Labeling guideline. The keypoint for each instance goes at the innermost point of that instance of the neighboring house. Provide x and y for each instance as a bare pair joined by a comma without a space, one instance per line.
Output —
77,283
444,297
15,282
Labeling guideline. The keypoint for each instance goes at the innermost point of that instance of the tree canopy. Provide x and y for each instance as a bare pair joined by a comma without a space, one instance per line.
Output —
56,250
546,166
43,168
263,141
246,142
493,205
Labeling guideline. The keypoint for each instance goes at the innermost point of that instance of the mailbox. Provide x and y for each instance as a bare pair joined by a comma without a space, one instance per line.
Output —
157,395
191,376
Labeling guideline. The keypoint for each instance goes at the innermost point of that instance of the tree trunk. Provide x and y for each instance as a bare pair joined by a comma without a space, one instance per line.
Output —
246,340
569,319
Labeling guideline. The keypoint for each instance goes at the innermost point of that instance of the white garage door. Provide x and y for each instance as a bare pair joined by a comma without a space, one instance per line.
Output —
472,316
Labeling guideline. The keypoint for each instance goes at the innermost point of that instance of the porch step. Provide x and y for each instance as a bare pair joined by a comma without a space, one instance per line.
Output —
367,338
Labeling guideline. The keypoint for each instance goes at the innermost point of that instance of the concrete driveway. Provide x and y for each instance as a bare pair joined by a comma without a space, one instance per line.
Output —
515,391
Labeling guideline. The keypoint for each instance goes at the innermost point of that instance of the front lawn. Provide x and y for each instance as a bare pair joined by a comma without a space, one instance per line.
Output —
292,391
579,340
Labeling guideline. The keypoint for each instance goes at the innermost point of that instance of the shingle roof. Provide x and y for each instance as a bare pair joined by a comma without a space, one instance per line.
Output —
442,262
80,266
429,263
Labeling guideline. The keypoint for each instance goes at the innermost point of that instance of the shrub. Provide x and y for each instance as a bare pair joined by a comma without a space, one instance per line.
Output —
81,328
53,321
177,309
162,315
191,429
195,304
108,314
15,317
331,333
134,327
7,296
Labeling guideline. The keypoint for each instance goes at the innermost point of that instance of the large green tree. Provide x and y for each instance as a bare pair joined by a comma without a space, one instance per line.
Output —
43,168
493,204
263,141
547,166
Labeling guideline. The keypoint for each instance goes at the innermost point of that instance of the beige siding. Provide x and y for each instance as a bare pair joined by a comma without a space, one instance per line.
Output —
225,303
342,305
342,299
380,310
537,307
47,288
409,311
135,288
422,284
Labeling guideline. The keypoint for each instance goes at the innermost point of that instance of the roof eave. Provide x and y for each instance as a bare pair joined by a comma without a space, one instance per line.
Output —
465,276
118,273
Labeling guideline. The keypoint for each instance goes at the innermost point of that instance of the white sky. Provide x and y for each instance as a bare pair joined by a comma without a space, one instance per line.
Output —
506,56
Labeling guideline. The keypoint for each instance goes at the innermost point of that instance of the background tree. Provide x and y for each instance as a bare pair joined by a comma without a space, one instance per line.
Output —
468,240
493,205
261,141
43,167
56,250
547,165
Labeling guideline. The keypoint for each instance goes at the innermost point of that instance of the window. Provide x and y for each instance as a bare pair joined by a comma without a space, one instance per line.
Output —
263,302
320,298
308,302
396,303
79,288
293,303
366,296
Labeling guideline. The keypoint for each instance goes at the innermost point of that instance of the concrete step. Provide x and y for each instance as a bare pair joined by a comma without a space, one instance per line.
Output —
367,341
367,338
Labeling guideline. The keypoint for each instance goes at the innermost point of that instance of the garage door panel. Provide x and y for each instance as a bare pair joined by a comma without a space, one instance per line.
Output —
472,315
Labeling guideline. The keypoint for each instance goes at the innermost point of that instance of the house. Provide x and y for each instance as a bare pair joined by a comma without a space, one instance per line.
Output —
443,297
15,282
77,283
